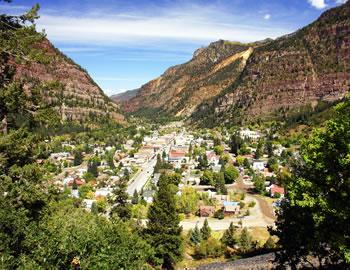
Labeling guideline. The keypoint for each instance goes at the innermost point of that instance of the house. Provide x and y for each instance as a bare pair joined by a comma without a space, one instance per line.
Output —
275,189
78,181
176,155
103,192
75,193
246,133
213,159
231,208
258,165
88,203
148,195
206,211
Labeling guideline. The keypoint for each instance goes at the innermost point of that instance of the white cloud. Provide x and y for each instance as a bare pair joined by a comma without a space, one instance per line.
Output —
319,4
190,24
341,1
267,16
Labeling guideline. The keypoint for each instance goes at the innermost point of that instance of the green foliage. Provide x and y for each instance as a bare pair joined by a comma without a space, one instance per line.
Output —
78,157
245,241
210,248
205,230
230,174
92,167
207,178
188,201
219,149
229,237
66,233
135,197
163,231
314,218
259,183
119,201
195,236
219,180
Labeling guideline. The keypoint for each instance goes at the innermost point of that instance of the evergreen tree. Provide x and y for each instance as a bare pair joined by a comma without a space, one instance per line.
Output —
229,237
270,243
236,143
259,150
135,197
195,236
94,208
118,200
219,180
163,231
205,230
245,241
78,158
92,167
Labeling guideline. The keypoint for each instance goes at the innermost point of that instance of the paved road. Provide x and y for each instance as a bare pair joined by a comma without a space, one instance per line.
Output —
141,178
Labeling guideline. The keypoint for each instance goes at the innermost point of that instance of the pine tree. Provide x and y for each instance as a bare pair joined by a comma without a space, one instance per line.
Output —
94,208
163,231
78,158
205,230
135,197
270,243
245,241
195,236
118,200
229,237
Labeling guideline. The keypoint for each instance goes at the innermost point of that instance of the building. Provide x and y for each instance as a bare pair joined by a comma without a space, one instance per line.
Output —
176,156
258,165
206,211
275,189
231,208
246,133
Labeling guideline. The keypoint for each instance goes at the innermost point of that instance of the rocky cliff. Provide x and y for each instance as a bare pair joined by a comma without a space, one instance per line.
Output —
182,88
65,86
275,78
290,74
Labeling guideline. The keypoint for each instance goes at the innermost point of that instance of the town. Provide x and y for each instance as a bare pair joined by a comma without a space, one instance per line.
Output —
226,178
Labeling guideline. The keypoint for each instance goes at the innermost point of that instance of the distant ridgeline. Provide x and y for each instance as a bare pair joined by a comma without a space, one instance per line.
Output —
291,77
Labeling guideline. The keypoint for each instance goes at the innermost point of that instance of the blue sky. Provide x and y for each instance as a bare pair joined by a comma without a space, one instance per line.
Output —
125,43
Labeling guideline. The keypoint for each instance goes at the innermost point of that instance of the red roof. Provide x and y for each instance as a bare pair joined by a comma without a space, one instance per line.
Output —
78,181
175,153
276,189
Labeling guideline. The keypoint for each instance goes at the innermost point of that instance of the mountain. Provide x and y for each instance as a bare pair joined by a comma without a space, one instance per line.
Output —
182,88
235,82
65,86
124,96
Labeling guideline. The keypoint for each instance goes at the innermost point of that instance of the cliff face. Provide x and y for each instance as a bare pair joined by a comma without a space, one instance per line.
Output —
298,70
66,86
182,88
236,82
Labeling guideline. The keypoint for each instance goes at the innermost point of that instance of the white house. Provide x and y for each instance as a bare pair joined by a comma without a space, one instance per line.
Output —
258,165
246,133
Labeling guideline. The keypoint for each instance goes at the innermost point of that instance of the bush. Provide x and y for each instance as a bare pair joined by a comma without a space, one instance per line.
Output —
219,214
251,204
210,248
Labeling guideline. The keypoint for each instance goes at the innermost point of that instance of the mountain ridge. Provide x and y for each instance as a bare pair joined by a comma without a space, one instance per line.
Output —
296,71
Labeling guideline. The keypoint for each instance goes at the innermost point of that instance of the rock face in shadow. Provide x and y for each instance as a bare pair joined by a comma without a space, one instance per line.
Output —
66,86
234,82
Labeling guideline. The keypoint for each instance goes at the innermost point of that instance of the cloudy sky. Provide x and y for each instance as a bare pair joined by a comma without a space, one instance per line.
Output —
125,43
